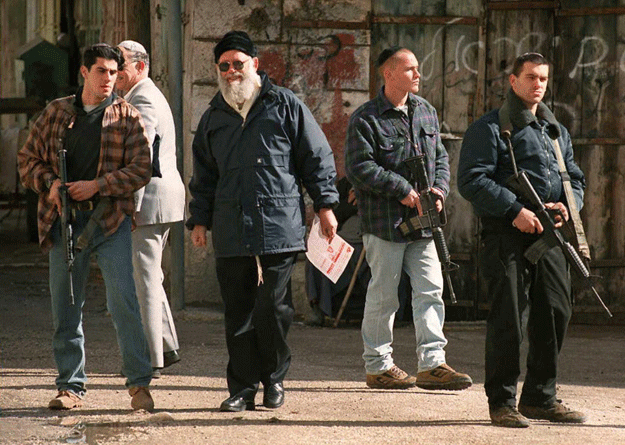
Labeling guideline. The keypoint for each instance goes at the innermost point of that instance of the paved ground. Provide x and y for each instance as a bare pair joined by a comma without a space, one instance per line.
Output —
327,401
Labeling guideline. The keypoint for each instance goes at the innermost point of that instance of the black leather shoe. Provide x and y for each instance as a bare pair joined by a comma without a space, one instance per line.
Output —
273,396
169,358
237,403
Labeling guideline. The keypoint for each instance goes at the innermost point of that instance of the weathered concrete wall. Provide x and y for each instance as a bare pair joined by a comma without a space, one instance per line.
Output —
12,35
324,51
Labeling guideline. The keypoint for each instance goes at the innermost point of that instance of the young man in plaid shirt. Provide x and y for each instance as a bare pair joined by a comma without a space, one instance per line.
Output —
107,156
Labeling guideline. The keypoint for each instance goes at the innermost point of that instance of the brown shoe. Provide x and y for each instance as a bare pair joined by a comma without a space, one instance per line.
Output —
141,398
556,412
443,377
65,400
393,378
508,417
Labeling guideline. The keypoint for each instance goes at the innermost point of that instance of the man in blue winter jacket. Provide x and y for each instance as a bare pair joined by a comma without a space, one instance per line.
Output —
520,292
254,149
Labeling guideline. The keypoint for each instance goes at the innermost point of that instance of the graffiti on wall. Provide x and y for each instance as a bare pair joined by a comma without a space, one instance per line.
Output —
323,68
319,72
589,69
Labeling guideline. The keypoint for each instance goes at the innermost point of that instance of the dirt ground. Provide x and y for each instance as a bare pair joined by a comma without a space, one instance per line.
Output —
327,401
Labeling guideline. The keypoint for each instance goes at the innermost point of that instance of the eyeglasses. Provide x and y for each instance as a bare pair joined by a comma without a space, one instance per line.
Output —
237,65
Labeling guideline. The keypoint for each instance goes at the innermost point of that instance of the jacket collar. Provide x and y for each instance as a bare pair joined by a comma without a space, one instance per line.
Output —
521,116
135,87
79,107
384,104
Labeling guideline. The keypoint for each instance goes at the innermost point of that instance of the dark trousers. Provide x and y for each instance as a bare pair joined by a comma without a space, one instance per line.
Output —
521,294
257,319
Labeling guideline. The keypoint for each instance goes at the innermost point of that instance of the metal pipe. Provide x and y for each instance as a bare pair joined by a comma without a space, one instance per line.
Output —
173,28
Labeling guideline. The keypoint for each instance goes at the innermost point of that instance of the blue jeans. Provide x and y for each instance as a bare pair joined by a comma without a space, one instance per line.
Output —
113,254
420,261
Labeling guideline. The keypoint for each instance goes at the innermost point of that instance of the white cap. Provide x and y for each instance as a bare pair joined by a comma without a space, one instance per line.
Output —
133,46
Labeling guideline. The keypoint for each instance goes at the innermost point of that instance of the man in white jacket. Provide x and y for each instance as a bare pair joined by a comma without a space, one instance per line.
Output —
158,205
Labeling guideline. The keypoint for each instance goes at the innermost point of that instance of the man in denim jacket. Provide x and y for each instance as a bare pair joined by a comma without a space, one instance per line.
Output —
382,133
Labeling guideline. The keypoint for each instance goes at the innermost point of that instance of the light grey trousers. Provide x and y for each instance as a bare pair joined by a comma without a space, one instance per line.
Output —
148,243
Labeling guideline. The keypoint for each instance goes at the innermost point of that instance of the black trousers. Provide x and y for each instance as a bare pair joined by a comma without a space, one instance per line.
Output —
522,294
258,318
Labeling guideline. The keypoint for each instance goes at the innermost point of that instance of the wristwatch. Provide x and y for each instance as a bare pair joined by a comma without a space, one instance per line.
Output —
50,180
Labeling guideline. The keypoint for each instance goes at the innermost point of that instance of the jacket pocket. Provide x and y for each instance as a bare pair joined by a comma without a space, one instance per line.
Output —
391,152
274,176
227,228
283,223
428,138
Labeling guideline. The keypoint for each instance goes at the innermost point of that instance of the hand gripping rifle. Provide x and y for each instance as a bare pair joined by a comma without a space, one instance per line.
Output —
67,231
552,236
430,219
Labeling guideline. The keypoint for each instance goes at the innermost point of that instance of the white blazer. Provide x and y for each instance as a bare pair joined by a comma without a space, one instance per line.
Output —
162,200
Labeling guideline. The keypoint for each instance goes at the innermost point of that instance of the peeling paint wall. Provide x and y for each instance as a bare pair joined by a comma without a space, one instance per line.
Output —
325,50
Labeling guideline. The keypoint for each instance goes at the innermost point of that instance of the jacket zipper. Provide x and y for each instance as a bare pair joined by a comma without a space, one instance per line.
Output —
547,152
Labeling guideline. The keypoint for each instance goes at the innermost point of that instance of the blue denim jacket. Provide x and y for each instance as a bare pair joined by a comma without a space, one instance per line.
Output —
378,141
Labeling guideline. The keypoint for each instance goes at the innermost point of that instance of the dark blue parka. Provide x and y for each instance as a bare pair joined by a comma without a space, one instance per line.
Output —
485,164
248,174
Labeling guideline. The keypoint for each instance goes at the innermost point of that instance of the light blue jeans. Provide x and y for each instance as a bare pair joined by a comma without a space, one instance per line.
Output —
113,254
420,261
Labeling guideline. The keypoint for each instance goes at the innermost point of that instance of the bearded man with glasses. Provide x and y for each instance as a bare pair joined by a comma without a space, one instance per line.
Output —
254,149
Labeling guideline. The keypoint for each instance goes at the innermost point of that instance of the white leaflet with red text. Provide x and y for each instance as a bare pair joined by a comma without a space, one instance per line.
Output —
330,258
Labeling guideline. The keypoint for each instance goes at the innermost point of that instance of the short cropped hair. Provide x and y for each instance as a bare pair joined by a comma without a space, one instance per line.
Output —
103,50
535,58
388,58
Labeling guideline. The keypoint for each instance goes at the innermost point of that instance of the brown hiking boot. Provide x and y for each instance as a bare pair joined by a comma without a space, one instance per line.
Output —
141,398
556,412
443,377
508,417
393,378
65,400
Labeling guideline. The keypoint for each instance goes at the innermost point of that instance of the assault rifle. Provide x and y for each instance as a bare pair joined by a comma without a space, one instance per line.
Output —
67,231
430,219
552,234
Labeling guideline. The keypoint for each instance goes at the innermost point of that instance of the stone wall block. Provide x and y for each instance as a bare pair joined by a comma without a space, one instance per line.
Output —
203,66
342,10
334,62
260,19
202,95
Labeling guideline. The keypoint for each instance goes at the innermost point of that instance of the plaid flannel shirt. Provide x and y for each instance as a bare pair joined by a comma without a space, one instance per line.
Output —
378,141
124,165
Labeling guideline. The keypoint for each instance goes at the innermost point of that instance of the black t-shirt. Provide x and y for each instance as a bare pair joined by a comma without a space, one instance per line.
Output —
83,141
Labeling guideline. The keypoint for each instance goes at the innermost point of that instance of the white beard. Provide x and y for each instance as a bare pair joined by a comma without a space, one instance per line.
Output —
241,90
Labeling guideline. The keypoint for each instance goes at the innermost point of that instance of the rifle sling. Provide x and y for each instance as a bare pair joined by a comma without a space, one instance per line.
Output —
580,236
505,126
96,216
